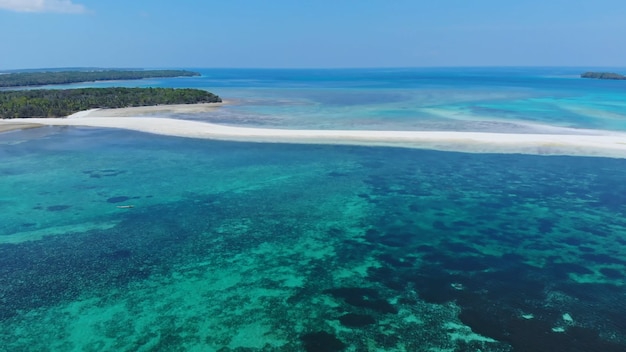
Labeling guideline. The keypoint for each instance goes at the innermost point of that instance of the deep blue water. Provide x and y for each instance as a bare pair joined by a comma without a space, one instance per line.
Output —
276,247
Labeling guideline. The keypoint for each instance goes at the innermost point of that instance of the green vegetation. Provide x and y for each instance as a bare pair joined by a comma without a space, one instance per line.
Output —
602,75
63,102
65,77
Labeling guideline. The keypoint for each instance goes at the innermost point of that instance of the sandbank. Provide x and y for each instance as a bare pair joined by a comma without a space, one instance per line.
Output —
589,143
17,126
155,110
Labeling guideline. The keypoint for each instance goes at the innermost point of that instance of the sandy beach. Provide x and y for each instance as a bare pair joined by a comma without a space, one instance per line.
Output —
585,143
5,127
155,110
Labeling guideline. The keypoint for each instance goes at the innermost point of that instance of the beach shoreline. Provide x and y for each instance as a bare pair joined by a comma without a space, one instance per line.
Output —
587,143
17,126
153,110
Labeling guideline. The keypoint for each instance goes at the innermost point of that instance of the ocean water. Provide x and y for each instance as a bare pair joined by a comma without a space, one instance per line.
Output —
277,247
473,99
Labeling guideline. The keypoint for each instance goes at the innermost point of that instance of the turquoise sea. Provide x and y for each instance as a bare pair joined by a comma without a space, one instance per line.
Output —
234,246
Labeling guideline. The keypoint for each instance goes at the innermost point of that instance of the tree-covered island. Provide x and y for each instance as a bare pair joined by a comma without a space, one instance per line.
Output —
64,102
23,79
603,75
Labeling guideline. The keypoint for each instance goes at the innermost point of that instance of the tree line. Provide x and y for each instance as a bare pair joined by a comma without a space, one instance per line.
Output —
23,79
64,102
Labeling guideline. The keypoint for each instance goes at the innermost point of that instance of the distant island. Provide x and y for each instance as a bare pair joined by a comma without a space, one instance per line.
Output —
603,75
27,79
64,102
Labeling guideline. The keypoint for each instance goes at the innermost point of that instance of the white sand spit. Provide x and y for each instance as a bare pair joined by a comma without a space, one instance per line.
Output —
602,143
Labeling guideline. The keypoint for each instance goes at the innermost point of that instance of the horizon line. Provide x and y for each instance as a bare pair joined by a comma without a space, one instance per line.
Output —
69,68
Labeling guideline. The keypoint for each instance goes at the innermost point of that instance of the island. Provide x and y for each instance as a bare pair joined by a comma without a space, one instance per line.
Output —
603,75
50,103
25,79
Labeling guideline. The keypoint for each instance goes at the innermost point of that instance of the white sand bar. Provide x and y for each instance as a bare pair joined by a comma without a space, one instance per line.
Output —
598,143
153,110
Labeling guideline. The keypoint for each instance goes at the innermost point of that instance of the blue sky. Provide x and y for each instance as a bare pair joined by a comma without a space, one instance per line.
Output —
321,33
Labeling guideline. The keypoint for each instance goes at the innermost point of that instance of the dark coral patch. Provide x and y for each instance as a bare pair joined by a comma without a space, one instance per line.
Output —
562,270
117,199
353,320
337,174
612,273
461,248
322,341
399,239
439,225
388,277
435,289
574,241
58,207
119,254
530,335
363,298
397,262
602,259
466,264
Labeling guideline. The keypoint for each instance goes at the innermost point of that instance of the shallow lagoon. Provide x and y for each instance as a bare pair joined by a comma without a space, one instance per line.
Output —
277,247
452,99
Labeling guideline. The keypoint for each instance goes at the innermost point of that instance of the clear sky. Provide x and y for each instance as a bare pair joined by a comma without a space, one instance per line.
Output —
311,33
